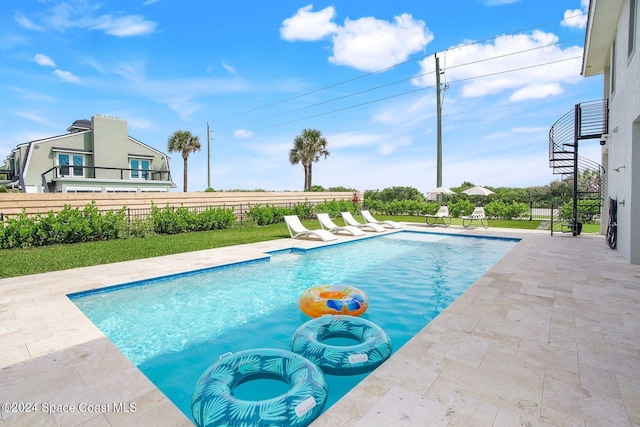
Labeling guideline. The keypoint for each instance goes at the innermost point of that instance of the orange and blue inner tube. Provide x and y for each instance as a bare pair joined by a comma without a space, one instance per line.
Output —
333,299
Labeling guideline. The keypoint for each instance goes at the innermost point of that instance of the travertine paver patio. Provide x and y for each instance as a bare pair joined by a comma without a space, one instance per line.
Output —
549,336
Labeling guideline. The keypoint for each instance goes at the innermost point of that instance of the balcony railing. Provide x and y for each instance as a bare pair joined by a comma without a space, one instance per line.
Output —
6,175
101,172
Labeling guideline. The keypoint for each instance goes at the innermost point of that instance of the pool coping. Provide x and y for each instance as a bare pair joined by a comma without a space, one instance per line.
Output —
555,323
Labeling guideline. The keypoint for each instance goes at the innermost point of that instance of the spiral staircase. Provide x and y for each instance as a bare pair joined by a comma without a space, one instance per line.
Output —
588,120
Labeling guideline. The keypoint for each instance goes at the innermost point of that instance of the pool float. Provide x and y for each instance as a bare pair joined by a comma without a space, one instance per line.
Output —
372,347
333,299
213,402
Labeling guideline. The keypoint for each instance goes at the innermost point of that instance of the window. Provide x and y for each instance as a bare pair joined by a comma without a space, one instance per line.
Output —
612,70
71,164
139,168
632,26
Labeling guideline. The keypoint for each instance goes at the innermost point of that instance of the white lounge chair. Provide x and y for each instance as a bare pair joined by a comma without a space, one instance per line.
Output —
476,215
442,215
350,220
297,229
387,223
327,223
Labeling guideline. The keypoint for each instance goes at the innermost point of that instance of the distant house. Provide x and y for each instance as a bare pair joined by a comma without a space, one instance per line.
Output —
612,48
96,155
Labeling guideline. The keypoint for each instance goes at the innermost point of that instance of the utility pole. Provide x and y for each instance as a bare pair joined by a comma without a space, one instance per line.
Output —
438,125
208,157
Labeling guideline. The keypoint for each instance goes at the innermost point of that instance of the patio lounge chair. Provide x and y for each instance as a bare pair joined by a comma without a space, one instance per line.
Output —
386,223
476,215
327,223
297,229
442,215
350,220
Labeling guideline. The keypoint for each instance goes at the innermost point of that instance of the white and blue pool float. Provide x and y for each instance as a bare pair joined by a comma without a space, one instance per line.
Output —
213,402
372,347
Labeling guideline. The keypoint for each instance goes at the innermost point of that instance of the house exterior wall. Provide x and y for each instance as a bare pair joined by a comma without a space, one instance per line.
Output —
40,155
621,153
110,145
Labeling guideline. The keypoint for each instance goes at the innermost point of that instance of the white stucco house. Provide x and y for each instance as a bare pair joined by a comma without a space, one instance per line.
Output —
95,155
612,48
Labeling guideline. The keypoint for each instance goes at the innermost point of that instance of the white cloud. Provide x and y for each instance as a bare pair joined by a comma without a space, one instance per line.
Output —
125,26
34,117
478,75
577,18
82,14
367,44
370,44
308,25
229,68
27,23
405,113
44,60
148,2
536,91
384,143
67,76
242,134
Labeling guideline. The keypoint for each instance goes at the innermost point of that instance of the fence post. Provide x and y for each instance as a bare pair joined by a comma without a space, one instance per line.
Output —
552,215
530,210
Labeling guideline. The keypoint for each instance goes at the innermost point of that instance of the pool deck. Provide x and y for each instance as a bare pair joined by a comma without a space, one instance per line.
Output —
549,336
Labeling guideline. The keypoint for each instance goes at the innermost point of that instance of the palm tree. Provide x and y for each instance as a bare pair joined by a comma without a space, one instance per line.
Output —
182,141
308,148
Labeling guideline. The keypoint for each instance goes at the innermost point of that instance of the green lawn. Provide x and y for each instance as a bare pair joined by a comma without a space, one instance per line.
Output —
19,262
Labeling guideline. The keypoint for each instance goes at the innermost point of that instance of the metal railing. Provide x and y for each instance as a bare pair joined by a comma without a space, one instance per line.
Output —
6,175
102,172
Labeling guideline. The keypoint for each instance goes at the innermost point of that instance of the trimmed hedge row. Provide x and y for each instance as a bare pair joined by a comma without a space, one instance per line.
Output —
72,225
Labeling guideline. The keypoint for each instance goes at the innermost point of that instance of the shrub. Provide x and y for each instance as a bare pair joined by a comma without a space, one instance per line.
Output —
214,218
334,207
499,209
262,215
303,210
394,193
115,225
140,228
373,205
460,208
588,210
167,220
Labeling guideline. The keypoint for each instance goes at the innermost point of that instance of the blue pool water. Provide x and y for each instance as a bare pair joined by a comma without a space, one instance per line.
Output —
174,328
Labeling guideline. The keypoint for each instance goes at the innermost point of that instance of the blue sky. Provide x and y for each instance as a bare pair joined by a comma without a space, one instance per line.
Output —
259,73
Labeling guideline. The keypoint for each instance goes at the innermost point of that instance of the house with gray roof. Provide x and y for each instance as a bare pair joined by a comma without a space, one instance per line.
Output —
95,155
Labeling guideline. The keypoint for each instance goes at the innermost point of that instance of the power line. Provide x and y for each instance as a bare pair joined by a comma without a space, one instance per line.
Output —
413,91
331,86
388,85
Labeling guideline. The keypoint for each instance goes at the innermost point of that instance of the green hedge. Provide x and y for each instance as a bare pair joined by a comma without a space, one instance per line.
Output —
73,225
169,220
500,210
588,210
267,214
70,225
334,207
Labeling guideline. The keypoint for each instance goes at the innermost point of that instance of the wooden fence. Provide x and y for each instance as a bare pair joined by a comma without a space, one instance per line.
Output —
138,204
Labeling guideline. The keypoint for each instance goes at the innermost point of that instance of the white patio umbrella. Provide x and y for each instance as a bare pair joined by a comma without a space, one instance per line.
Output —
478,191
442,190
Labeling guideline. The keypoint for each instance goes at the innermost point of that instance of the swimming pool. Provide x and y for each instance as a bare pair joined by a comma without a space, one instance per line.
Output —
173,328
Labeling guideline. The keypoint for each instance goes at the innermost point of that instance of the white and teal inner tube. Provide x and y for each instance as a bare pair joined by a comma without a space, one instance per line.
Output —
371,347
213,402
